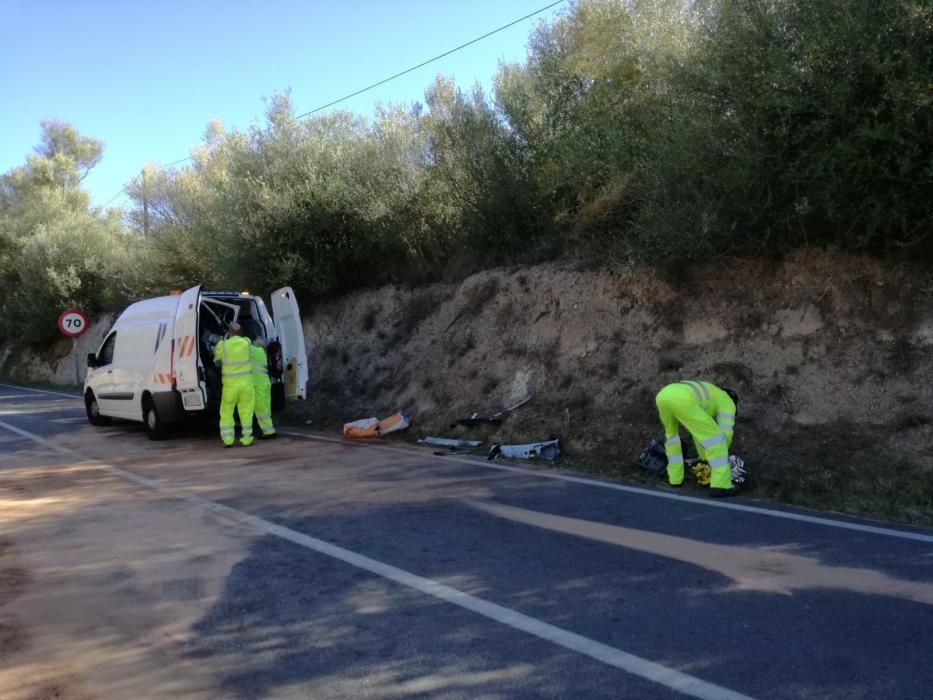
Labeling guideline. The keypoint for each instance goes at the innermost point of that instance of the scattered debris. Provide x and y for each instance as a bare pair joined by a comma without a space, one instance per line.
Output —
449,442
373,427
653,458
739,473
702,473
453,451
496,417
548,449
455,446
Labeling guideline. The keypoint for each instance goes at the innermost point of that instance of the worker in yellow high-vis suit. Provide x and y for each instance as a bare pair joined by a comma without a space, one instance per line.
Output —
262,387
233,354
708,414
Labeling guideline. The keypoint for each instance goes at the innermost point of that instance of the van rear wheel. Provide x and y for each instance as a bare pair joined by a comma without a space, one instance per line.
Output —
93,410
155,428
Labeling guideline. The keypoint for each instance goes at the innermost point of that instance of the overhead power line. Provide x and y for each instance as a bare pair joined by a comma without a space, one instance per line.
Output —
393,77
107,203
431,60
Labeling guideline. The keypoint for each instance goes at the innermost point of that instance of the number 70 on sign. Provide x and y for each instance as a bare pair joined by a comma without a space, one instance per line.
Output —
72,323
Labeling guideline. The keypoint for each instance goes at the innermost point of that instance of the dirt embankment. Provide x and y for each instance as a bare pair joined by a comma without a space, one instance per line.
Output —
832,357
61,362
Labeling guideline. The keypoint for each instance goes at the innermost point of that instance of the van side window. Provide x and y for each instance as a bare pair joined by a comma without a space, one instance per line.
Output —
105,356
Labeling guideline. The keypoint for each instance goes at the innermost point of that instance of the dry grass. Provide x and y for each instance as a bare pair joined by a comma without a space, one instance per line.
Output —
840,467
477,297
903,356
370,316
668,362
421,303
733,374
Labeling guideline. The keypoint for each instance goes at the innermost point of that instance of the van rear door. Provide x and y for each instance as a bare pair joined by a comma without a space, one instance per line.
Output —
291,336
185,350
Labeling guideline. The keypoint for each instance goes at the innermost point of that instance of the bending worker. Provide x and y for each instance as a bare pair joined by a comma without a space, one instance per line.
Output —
233,354
695,405
262,387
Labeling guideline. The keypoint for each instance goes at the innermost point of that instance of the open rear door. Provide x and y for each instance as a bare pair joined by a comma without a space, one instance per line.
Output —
291,336
185,350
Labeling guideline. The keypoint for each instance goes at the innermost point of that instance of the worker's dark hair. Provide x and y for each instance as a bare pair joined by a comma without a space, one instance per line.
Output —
733,396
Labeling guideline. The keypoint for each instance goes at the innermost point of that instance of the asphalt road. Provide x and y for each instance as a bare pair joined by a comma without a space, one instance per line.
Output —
312,567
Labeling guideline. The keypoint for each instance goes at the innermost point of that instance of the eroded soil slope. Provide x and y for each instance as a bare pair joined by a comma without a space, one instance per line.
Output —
833,358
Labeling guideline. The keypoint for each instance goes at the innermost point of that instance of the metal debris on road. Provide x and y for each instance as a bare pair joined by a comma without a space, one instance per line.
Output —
547,449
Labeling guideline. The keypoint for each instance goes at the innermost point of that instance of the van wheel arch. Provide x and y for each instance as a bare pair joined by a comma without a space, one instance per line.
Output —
92,409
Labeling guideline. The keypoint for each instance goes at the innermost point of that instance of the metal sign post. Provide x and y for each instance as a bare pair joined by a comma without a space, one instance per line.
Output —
74,354
73,324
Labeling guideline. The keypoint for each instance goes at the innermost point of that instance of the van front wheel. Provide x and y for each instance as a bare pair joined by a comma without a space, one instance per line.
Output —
155,428
93,410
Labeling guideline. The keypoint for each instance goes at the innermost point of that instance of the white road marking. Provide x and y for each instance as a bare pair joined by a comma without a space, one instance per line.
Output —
41,391
707,502
635,665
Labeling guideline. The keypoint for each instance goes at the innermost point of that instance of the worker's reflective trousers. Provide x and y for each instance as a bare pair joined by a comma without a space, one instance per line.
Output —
262,387
678,405
237,393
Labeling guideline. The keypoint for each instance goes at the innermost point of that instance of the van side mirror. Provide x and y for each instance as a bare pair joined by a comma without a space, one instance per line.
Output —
91,360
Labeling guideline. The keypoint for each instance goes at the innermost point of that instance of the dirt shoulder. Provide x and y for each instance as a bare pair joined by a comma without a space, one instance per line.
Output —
832,356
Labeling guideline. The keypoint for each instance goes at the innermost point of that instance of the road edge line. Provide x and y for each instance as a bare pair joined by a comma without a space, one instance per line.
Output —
77,397
611,656
707,502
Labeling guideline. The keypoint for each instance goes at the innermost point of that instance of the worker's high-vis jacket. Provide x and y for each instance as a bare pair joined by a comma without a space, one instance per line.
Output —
708,413
233,354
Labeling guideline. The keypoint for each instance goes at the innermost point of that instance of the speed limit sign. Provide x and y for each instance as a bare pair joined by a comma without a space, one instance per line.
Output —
72,323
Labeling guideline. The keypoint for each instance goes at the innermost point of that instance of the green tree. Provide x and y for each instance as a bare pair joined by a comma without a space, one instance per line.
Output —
484,170
818,127
57,250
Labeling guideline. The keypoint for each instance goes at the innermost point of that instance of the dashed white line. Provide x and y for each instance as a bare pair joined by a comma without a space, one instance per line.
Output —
635,665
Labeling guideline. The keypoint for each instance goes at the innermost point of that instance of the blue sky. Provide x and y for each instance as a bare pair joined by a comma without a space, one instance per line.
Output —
147,77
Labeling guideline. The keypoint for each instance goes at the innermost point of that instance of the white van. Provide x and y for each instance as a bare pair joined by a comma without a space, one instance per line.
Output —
156,364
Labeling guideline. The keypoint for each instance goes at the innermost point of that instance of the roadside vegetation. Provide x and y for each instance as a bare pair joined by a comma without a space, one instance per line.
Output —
636,132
